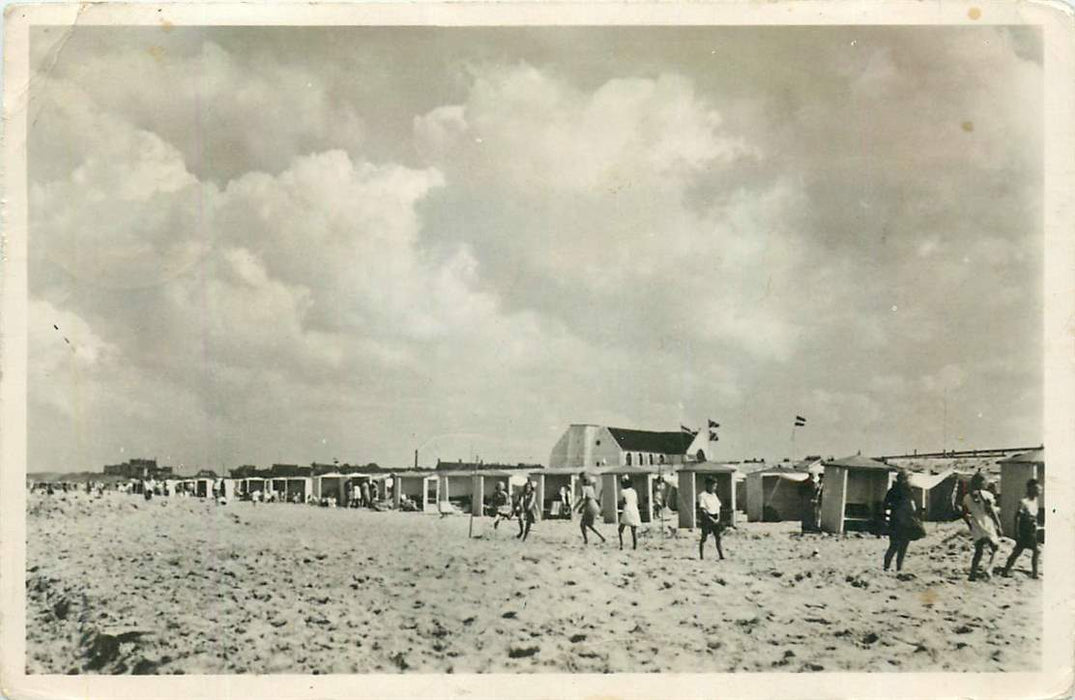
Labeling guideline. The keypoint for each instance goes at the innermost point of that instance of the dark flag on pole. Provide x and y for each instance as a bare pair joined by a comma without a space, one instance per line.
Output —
799,421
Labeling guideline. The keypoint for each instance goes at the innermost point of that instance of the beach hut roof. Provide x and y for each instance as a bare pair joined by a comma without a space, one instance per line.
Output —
709,468
1031,457
468,467
784,472
561,470
670,443
859,462
633,469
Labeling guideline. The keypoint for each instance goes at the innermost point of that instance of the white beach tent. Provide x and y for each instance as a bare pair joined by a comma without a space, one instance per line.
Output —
923,486
775,494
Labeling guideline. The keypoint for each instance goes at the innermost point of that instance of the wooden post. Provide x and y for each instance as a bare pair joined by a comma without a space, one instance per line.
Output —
470,525
687,499
477,497
731,490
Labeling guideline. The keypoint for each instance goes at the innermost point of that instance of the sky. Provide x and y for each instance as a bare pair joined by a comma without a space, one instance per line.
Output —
291,245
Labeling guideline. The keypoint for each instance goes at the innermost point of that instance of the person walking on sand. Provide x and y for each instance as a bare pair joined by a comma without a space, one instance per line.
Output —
588,506
629,516
501,504
527,510
709,507
1026,530
903,525
980,514
364,489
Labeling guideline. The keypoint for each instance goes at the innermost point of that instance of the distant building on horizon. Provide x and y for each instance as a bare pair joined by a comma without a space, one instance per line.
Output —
484,466
586,445
139,469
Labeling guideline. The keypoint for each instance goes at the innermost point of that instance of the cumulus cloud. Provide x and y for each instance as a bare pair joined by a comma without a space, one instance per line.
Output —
261,259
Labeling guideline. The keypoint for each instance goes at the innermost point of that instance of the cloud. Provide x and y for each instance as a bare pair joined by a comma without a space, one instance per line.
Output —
226,112
273,290
263,260
592,204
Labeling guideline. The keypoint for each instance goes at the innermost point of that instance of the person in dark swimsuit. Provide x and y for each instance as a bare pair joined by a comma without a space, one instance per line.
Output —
901,509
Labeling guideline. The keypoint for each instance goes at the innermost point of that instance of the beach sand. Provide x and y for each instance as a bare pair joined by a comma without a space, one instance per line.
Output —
122,585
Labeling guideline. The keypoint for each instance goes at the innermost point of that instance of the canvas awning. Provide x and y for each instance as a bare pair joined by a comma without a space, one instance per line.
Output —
920,480
708,468
785,474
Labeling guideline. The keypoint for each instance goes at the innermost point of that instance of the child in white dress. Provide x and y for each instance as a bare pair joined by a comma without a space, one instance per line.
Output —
980,514
630,516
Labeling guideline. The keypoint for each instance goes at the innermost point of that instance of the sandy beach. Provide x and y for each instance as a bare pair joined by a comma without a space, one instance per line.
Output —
121,585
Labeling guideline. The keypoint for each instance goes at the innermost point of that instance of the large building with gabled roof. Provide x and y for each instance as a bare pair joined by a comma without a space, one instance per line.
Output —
585,445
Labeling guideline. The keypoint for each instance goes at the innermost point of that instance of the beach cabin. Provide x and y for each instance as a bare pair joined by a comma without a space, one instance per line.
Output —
854,493
740,492
278,486
485,485
203,488
249,485
776,493
692,478
935,494
457,488
421,487
642,478
330,485
383,481
548,484
1015,471
297,488
231,488
375,480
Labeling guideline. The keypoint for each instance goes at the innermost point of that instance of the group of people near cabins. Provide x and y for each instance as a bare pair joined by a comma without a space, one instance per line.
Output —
979,511
366,494
49,488
524,508
902,519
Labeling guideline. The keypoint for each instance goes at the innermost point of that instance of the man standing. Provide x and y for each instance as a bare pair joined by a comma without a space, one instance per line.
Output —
1026,529
709,507
980,514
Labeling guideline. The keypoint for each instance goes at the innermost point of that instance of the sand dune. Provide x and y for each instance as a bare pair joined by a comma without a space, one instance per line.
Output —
121,585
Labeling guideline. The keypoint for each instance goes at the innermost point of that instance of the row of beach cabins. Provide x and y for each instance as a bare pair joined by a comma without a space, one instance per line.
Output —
852,495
